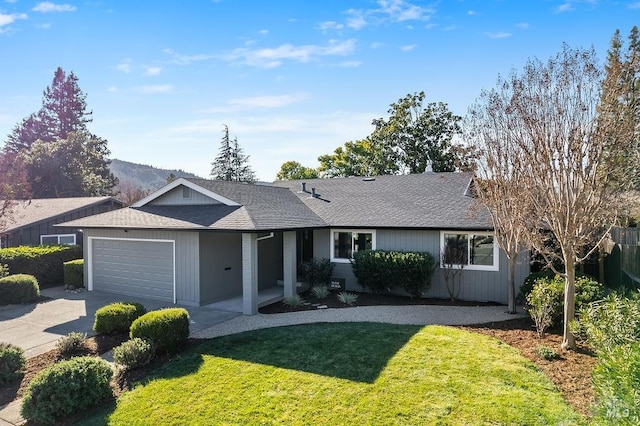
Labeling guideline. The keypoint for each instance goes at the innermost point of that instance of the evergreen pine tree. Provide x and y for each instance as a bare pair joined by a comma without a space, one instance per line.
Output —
231,164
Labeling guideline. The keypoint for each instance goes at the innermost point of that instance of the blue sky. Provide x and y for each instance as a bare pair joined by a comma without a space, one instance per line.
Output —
292,79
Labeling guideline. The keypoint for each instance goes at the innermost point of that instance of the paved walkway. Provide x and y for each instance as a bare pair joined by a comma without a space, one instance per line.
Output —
37,327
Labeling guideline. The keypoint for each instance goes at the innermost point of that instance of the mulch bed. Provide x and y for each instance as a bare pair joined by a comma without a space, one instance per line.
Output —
571,373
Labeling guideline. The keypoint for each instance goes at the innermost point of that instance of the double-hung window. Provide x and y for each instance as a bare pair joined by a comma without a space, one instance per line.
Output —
346,242
68,239
478,251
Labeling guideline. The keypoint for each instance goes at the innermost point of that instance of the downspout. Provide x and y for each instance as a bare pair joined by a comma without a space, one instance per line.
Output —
266,237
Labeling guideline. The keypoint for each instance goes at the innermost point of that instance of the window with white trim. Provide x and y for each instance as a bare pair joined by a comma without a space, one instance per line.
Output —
63,239
345,242
475,251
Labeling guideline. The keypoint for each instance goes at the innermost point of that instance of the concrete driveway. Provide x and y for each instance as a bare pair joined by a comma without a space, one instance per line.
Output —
36,327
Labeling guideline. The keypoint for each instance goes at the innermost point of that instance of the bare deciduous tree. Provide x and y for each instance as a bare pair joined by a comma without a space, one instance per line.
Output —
564,157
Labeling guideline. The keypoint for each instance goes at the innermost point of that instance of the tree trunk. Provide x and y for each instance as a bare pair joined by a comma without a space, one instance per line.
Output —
568,340
512,283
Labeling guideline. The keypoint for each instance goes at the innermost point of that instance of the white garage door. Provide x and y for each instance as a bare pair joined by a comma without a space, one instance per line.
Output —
142,268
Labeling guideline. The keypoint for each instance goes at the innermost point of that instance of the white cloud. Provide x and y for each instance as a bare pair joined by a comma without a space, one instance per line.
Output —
152,71
523,26
635,5
47,6
10,19
125,66
264,32
565,7
274,57
160,88
329,25
376,45
112,89
355,19
350,64
273,101
472,12
408,47
181,59
501,34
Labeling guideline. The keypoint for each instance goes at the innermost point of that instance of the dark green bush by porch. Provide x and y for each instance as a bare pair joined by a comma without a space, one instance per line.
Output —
117,317
43,262
380,271
66,388
317,272
74,273
19,288
167,329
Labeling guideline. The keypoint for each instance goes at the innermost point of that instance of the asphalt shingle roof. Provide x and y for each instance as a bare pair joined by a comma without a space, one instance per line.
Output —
29,212
428,200
424,201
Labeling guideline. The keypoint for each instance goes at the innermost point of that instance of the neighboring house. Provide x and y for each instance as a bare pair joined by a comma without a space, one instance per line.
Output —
198,241
31,222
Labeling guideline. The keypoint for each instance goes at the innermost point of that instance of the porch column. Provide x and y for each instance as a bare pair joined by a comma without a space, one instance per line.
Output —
249,274
289,263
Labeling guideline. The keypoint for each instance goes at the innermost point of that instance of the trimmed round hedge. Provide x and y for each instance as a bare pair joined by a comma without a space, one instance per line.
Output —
19,288
117,317
167,329
66,388
12,362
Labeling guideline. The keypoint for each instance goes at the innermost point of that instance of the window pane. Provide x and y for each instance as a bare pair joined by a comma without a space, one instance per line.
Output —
455,249
482,250
342,245
68,239
362,241
49,239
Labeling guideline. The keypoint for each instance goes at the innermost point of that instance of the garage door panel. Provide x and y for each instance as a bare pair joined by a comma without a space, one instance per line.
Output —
133,267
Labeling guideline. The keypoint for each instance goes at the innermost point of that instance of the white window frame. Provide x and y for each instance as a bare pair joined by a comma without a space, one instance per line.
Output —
57,236
353,231
469,266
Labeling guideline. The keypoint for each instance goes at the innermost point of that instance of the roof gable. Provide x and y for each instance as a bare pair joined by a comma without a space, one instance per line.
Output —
160,193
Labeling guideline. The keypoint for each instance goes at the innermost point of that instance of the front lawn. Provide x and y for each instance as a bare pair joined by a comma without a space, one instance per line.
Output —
350,373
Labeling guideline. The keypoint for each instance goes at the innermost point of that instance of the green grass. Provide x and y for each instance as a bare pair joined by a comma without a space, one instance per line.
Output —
351,373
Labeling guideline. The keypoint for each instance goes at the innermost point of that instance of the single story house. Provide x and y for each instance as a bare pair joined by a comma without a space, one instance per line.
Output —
31,222
197,242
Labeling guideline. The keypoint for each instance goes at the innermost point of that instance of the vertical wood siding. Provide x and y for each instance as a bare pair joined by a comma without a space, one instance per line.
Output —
481,286
220,266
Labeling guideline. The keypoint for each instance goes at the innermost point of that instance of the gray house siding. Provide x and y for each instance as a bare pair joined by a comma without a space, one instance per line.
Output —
187,261
270,261
220,266
175,198
481,286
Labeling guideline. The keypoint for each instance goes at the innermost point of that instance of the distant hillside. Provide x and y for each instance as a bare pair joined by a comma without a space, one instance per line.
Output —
142,177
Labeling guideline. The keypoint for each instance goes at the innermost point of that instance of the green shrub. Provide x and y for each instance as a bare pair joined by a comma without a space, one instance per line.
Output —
117,317
12,363
347,298
4,270
317,272
610,322
66,388
381,270
74,273
547,353
616,380
167,329
133,353
587,290
43,262
542,304
72,344
294,301
320,291
19,288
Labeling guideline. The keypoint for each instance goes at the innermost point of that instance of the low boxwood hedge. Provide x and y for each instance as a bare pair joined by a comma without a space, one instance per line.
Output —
117,317
43,262
19,288
74,273
167,329
12,363
66,388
